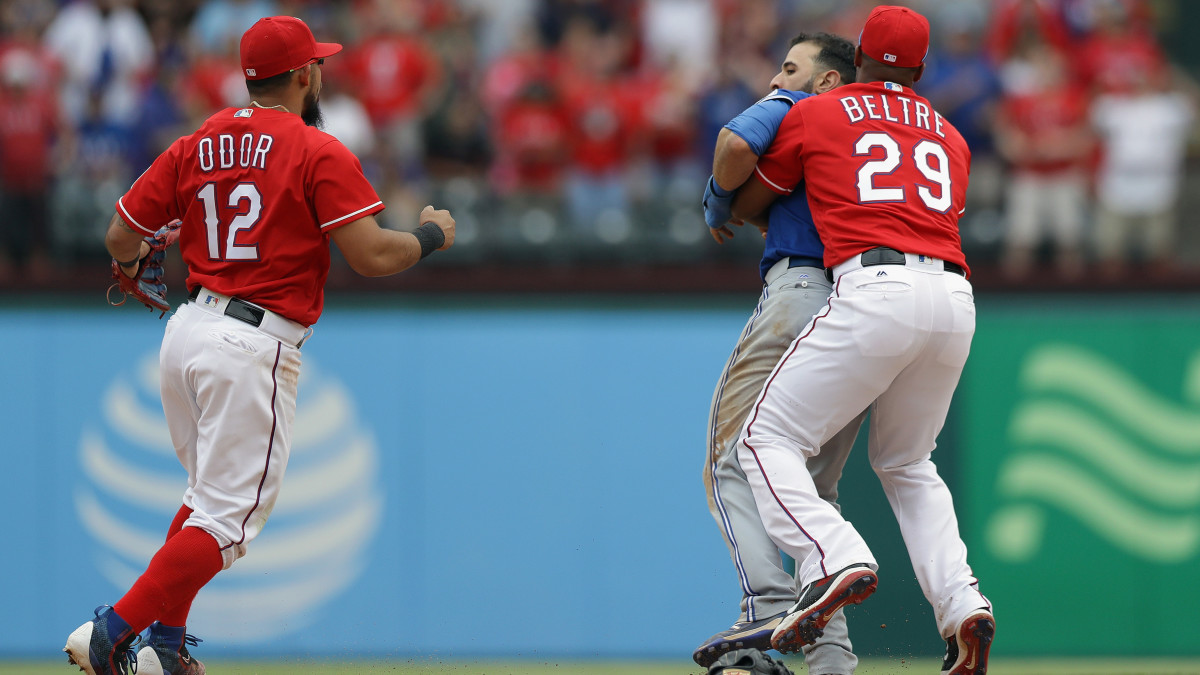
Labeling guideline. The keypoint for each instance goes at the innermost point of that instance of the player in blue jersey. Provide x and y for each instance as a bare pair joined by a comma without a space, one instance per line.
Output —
794,288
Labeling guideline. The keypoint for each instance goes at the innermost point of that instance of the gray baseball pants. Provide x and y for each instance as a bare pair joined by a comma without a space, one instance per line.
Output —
790,298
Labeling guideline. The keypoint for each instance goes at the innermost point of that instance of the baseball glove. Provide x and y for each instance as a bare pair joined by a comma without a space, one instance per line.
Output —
147,286
747,662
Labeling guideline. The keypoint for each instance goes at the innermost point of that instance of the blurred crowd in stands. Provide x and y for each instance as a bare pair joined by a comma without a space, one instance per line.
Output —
580,132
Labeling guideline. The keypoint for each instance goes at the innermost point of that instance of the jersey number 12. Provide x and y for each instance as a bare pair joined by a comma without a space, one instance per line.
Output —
246,201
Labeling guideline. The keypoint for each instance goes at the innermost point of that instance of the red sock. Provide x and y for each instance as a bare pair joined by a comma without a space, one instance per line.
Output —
177,615
176,525
188,561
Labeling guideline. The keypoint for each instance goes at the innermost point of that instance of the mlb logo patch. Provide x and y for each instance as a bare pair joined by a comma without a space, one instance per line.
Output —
244,112
250,72
891,58
924,259
210,301
892,86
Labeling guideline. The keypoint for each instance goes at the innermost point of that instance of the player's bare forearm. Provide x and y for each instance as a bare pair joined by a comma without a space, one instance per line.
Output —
124,244
733,160
752,202
373,251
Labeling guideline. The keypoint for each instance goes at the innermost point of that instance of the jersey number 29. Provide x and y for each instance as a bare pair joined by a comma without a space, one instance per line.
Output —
246,200
922,155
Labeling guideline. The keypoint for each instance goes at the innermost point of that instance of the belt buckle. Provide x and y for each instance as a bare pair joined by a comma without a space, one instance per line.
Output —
245,312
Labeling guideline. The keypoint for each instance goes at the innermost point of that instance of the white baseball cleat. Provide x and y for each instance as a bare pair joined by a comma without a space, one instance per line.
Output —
103,646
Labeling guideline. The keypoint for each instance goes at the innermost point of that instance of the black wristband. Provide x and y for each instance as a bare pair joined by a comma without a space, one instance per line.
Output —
431,237
130,263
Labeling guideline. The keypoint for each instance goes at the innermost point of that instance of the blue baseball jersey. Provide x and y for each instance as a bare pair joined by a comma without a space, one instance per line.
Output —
790,229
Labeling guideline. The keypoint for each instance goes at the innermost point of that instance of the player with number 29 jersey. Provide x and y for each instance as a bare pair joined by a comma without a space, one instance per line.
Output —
880,166
243,168
886,177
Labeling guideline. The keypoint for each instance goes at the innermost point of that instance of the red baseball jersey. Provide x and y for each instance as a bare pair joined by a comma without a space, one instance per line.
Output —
258,192
881,168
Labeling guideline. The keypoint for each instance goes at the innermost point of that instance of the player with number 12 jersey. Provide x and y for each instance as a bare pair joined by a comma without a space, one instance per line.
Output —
245,167
896,174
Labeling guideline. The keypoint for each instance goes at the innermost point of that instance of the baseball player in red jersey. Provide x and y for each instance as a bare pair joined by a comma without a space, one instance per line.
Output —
260,193
886,177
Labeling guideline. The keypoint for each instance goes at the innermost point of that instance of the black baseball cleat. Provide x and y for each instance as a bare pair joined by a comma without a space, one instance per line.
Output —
818,602
104,645
742,635
967,650
166,652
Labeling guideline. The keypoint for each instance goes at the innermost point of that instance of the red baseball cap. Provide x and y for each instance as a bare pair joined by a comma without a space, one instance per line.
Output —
895,36
277,44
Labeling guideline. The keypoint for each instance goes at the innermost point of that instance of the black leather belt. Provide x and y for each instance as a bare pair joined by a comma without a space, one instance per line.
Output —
238,309
805,261
882,255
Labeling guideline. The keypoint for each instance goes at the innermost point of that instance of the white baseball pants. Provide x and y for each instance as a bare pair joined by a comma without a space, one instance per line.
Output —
896,338
229,394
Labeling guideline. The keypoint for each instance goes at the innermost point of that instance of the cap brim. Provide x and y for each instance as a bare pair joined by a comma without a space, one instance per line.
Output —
327,49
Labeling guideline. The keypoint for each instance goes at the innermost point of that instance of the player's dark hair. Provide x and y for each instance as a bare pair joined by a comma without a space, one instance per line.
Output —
269,85
837,53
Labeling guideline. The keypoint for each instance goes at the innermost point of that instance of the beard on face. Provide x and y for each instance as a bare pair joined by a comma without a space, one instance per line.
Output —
311,113
808,86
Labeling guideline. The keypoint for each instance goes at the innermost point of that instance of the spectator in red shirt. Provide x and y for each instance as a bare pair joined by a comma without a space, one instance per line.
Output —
1013,22
510,75
396,73
29,129
1042,130
1119,52
532,137
605,125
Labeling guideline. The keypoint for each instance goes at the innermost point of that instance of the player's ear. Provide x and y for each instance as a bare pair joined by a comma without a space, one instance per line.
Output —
305,76
830,79
858,56
920,71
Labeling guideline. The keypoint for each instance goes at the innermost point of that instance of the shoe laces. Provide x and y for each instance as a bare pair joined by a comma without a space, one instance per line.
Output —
188,640
125,658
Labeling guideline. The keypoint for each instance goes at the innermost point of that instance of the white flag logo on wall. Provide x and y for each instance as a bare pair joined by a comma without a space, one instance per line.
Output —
1093,443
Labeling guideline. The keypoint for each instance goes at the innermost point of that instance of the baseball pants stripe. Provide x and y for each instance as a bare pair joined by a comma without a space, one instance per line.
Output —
894,337
715,503
231,391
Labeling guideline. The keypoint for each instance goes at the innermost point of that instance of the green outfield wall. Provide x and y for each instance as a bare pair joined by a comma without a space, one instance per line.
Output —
1081,476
